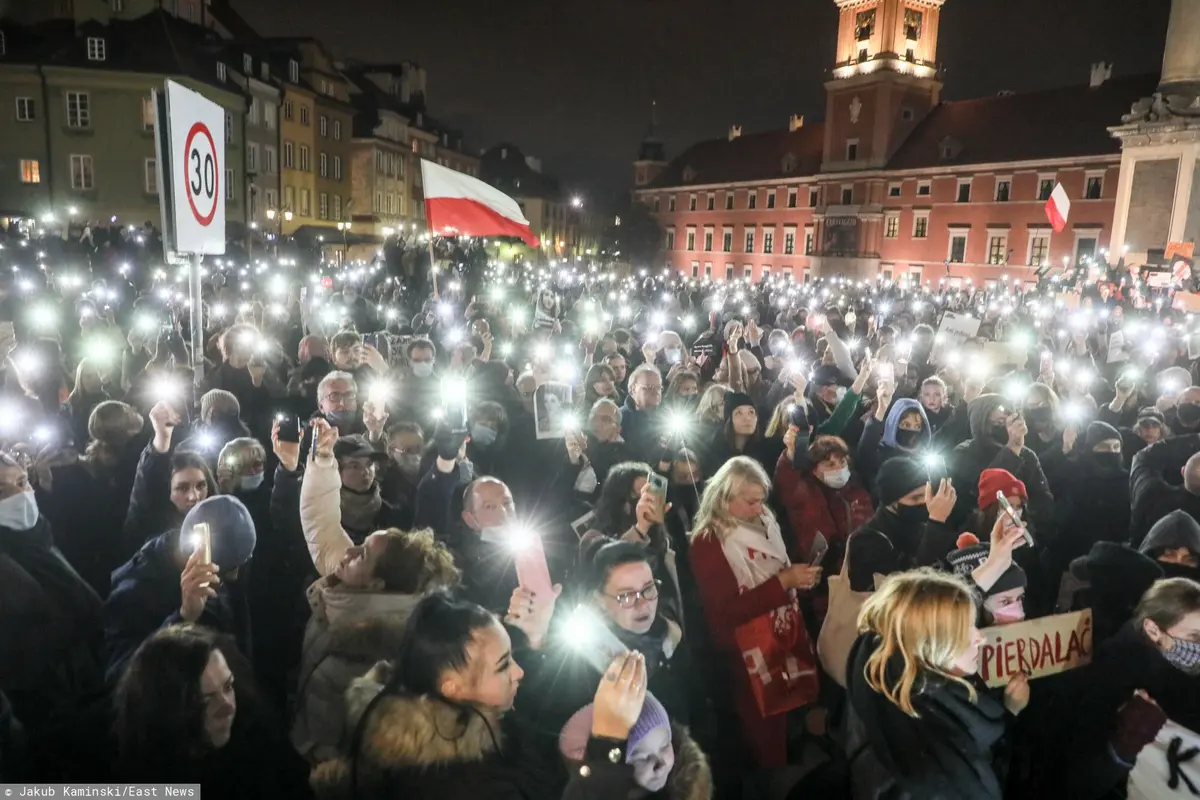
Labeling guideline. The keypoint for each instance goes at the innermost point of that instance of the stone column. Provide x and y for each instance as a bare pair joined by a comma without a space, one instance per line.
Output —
1181,56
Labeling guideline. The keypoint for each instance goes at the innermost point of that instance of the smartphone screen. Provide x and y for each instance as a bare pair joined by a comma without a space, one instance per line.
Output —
289,428
658,487
530,562
1012,515
820,547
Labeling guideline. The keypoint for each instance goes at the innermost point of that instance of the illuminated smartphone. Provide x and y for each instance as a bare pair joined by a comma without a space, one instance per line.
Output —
530,561
289,428
1012,514
588,636
658,487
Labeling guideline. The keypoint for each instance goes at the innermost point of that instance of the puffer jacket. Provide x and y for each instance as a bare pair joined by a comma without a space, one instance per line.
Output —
347,634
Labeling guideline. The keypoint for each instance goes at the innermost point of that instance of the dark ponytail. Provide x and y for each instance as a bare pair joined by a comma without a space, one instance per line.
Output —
435,639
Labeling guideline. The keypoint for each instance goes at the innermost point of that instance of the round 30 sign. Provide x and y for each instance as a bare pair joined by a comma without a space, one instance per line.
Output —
202,173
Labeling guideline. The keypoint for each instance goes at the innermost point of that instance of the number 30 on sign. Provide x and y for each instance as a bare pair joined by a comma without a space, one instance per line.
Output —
195,171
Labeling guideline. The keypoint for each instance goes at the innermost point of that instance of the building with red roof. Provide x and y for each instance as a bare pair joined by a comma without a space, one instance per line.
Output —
894,180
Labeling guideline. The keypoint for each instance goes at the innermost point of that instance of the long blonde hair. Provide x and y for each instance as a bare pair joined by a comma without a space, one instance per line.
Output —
711,406
926,617
713,517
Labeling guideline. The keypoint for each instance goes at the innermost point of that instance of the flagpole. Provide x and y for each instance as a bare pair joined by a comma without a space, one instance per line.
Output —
433,268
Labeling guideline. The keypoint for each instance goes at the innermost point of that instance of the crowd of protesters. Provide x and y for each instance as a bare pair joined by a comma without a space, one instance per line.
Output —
320,572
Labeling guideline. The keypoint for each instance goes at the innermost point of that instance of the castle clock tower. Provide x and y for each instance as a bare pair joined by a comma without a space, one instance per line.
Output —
884,82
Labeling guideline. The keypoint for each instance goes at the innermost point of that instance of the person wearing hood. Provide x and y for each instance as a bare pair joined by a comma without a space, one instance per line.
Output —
919,721
1174,542
1091,496
86,500
166,486
1179,401
1151,494
452,688
1043,416
667,763
998,442
50,628
359,606
169,581
902,430
1110,580
909,528
1139,679
739,435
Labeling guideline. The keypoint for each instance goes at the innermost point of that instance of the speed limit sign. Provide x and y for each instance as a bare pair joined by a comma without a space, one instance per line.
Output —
194,156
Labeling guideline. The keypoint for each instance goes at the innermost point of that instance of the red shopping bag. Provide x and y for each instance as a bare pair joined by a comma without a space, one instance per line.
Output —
779,659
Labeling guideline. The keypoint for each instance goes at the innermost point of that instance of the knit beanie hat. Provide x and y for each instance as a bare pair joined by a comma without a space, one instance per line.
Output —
998,480
231,530
572,742
227,400
734,401
827,374
1098,432
971,554
897,477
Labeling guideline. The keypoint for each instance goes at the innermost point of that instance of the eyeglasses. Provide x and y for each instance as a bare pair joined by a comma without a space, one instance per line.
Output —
405,451
630,599
650,389
342,397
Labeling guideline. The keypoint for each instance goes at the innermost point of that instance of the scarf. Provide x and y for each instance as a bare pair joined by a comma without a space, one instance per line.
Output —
657,644
359,509
755,552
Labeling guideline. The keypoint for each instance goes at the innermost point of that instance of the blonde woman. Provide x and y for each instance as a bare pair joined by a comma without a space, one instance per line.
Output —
742,571
240,466
920,722
710,411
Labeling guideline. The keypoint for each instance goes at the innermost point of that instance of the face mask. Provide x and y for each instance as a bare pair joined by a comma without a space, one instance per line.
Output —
422,369
340,418
999,434
482,435
913,515
251,482
19,512
674,354
1108,460
1006,615
1183,655
906,439
1039,417
841,392
1189,415
836,479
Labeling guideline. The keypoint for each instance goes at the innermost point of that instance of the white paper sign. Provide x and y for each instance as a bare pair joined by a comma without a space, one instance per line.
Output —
196,161
1168,768
954,330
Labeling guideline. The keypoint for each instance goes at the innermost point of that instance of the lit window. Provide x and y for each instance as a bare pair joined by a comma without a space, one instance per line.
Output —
31,171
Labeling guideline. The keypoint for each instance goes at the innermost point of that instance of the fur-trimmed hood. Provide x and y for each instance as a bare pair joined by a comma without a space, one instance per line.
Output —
691,778
404,732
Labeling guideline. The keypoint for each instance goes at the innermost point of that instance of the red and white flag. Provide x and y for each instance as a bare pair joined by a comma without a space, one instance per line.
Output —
1058,208
459,205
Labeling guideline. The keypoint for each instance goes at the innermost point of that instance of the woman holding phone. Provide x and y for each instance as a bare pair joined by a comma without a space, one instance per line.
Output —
743,571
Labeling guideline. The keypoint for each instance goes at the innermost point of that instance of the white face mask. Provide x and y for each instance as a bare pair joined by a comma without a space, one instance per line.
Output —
841,392
836,479
422,369
19,512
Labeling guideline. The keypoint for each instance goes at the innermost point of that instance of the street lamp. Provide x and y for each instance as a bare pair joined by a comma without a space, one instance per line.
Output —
576,202
344,227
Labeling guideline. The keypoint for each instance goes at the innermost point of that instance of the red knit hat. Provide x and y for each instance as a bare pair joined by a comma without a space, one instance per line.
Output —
998,480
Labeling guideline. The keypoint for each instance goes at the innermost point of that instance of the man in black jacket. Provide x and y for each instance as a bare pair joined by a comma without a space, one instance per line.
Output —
1151,495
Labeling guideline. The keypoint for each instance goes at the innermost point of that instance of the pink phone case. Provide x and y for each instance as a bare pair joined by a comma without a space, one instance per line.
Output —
532,572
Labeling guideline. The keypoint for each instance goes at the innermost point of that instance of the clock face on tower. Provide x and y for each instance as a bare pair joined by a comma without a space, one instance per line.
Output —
864,25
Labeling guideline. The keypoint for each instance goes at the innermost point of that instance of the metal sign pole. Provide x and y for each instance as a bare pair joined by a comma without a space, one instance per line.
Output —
197,320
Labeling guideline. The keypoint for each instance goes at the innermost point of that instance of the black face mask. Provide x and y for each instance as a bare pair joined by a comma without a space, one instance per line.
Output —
1110,461
1189,414
1037,418
907,439
999,434
913,515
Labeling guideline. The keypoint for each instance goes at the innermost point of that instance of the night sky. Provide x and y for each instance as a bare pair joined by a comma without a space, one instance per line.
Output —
571,81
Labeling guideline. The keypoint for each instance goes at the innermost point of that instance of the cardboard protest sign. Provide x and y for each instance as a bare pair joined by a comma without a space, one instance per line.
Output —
1118,349
1168,767
1157,279
1187,301
954,330
1041,647
1184,249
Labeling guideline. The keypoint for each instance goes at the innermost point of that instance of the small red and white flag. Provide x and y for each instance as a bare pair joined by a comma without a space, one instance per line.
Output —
459,205
1058,208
